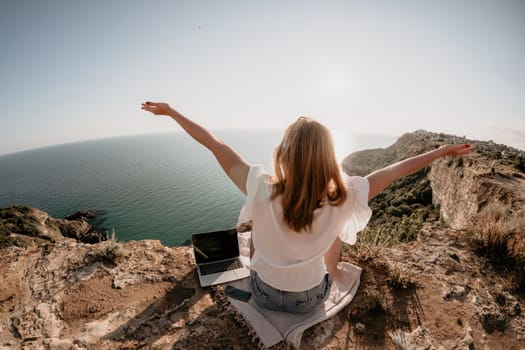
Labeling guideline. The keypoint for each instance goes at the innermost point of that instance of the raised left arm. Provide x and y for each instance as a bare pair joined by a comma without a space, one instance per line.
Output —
231,162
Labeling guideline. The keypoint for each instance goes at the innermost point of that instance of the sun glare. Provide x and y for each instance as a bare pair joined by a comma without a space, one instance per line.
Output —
341,144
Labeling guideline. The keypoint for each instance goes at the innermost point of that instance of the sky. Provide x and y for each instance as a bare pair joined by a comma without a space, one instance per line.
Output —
77,70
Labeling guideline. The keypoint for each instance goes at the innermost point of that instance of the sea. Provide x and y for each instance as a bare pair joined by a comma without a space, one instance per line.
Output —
157,186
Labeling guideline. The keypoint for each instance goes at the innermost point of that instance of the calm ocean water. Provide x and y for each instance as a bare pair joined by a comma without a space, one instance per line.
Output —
163,186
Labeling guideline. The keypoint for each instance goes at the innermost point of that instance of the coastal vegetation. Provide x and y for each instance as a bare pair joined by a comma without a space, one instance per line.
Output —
16,226
399,212
23,226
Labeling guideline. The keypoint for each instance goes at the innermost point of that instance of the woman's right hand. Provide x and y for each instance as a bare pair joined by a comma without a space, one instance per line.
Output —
457,150
157,108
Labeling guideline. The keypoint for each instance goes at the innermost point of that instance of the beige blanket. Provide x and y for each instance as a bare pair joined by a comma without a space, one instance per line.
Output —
273,327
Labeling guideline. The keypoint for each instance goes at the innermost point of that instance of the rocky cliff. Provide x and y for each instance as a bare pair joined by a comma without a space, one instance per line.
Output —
452,191
431,292
463,187
23,226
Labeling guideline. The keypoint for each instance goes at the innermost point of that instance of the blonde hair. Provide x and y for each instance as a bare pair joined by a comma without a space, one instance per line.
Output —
306,173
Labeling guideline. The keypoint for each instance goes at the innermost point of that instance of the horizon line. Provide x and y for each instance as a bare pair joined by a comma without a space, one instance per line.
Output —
10,153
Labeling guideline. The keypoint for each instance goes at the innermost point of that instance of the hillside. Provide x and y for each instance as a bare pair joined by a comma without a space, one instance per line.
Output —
450,192
431,274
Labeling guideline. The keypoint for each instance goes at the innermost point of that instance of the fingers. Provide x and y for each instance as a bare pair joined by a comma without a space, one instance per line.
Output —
148,106
157,108
466,148
462,149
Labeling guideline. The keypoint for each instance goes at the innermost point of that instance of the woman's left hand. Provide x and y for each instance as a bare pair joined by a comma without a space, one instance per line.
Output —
157,108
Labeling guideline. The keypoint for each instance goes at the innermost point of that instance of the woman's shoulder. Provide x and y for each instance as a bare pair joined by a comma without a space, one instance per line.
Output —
258,173
358,188
257,177
353,181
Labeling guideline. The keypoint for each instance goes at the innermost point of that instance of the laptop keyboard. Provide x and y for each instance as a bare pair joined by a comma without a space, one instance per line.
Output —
220,266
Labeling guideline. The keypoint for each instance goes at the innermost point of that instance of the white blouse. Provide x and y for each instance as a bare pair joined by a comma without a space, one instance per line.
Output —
293,261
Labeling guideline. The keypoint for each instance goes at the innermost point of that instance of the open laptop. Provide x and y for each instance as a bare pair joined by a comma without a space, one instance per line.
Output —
217,257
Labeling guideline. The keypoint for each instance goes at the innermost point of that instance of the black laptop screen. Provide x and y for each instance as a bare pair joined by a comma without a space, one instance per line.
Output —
214,246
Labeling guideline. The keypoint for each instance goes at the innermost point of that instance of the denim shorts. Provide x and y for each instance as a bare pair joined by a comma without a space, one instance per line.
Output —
294,302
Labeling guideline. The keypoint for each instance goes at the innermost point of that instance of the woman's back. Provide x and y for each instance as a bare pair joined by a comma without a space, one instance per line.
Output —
291,260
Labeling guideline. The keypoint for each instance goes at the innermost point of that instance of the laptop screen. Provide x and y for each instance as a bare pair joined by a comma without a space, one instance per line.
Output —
215,246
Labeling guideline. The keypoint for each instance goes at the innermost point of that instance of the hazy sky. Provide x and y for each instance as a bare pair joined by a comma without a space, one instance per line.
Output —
74,70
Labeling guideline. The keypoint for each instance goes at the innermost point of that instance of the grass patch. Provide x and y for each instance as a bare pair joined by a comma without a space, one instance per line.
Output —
109,252
401,278
369,245
498,235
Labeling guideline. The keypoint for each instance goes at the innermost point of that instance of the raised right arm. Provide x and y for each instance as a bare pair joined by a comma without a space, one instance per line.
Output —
231,162
380,179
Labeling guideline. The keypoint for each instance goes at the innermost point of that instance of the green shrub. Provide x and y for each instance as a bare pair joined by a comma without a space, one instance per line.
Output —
520,165
410,198
408,229
399,212
424,195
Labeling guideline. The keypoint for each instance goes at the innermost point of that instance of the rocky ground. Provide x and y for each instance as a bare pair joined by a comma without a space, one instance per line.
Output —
432,293
435,293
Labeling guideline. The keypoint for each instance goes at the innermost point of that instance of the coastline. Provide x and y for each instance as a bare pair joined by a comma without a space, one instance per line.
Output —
434,290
